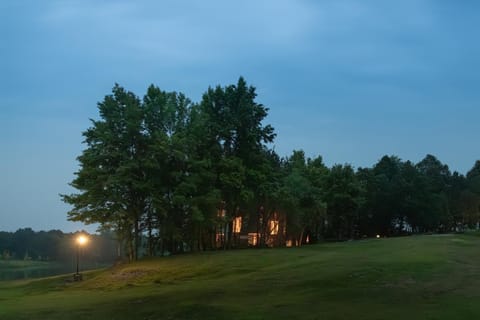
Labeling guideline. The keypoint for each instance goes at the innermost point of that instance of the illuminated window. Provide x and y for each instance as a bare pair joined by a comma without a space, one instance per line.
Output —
219,237
221,213
237,224
273,227
253,239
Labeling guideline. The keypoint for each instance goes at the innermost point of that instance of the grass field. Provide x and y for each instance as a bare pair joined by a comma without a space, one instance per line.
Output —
418,277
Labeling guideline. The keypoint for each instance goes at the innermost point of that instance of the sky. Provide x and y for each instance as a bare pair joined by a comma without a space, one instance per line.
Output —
348,80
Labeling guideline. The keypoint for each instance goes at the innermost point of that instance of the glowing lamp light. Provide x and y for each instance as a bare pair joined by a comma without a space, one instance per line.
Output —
378,236
81,240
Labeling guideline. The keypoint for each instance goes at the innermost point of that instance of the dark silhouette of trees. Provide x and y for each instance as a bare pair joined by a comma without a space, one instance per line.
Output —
167,175
54,245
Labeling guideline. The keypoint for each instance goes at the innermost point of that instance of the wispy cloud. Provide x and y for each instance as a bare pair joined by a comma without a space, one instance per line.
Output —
182,32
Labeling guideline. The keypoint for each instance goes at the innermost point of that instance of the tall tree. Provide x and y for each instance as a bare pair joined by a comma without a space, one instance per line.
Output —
168,161
343,197
301,195
112,179
436,175
235,139
386,198
471,197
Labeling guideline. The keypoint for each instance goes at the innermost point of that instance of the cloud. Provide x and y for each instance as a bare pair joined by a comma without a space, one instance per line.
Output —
181,32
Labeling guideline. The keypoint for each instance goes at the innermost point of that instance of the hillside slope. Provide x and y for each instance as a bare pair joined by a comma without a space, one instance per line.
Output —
419,277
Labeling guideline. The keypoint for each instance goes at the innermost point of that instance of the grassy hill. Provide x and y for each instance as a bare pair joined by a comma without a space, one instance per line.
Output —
419,277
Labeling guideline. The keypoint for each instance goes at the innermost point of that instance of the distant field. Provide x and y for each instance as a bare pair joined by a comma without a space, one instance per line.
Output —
419,277
24,269
28,269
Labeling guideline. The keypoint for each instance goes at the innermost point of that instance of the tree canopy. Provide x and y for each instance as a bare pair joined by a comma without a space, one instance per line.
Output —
167,175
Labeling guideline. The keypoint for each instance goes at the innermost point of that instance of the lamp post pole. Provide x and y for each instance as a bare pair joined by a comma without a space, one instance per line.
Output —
81,240
78,258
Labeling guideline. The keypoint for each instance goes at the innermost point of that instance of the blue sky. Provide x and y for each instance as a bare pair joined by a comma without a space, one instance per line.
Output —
348,80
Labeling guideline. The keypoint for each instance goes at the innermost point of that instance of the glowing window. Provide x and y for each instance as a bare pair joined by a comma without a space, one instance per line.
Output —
221,213
237,224
253,239
273,227
219,237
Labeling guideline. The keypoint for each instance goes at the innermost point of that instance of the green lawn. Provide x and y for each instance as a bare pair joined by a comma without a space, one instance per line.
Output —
419,277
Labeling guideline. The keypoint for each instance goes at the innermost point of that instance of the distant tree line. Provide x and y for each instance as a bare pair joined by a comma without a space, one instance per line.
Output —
54,245
158,172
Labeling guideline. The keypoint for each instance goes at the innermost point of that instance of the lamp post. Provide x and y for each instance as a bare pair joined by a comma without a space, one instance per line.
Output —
81,241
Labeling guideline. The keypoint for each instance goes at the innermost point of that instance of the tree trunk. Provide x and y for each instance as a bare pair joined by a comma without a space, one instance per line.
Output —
300,240
136,239
150,237
130,249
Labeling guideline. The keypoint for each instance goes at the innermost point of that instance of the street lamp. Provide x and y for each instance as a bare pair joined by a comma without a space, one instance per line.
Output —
81,241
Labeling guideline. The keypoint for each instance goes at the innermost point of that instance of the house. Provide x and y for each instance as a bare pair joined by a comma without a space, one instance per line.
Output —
258,229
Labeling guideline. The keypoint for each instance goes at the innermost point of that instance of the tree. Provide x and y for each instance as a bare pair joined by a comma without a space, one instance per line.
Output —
301,196
383,197
111,179
436,175
343,197
471,197
457,199
234,140
168,164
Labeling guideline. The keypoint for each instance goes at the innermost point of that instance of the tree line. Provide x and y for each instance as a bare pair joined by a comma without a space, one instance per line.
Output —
165,173
55,245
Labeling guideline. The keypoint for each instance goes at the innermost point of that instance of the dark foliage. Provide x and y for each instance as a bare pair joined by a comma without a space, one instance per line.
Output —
168,175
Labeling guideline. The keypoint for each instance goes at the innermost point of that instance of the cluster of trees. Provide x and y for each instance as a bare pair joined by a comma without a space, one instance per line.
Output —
163,167
54,245
393,197
397,197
